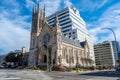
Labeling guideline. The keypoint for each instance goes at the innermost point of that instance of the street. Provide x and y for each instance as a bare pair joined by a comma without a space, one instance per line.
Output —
9,74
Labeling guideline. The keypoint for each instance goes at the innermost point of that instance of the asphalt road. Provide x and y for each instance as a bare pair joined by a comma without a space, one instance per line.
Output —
7,74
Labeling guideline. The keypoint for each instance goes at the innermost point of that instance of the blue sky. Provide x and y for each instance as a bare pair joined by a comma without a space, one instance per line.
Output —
15,19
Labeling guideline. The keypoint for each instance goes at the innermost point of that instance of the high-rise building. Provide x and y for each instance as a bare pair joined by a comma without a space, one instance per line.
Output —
72,25
106,54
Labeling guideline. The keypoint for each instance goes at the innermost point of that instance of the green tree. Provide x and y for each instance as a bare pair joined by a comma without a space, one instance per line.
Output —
14,57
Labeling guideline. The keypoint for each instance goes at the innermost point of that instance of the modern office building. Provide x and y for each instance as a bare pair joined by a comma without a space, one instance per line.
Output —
106,54
72,25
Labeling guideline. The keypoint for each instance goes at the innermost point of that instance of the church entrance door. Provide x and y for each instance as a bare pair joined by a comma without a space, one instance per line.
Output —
45,59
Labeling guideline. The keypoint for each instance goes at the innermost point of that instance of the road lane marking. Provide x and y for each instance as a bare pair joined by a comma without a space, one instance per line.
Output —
12,78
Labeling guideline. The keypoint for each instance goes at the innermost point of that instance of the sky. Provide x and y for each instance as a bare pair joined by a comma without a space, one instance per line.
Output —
15,20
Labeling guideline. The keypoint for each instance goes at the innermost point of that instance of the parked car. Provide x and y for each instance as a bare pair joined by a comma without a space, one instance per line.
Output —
1,66
118,68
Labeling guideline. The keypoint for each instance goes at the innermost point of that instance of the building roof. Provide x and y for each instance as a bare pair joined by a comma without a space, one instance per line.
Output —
73,41
83,43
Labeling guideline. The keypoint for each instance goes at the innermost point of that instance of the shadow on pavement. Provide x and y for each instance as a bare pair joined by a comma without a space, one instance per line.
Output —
103,74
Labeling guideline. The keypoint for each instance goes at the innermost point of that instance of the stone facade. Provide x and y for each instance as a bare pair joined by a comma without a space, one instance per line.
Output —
48,47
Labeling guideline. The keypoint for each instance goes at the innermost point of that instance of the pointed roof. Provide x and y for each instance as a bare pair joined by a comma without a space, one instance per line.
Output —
83,43
56,23
38,4
44,14
71,41
44,10
33,10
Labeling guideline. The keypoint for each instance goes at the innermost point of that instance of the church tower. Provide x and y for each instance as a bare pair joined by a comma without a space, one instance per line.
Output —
56,27
38,21
58,39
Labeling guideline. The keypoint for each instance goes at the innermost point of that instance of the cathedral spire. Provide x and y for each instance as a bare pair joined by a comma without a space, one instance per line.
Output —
38,5
44,10
56,21
41,14
44,13
33,10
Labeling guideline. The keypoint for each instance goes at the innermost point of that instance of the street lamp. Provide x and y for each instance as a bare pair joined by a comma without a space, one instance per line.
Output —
114,38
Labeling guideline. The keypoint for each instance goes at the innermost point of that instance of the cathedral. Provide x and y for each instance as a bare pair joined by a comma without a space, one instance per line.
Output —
49,47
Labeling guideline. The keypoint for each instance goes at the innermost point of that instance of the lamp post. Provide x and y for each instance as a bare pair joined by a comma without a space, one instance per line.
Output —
48,59
115,40
77,64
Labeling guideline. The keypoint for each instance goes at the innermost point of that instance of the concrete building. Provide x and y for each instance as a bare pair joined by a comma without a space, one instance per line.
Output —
106,54
49,47
72,25
23,50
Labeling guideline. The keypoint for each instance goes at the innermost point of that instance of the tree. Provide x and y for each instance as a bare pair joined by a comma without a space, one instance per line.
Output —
15,57
11,57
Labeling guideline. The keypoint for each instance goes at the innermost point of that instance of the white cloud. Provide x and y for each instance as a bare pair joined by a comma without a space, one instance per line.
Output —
13,34
102,3
10,3
68,3
29,4
91,5
51,5
109,19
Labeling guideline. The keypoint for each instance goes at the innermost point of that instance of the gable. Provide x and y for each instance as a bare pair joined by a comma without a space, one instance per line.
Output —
86,46
46,28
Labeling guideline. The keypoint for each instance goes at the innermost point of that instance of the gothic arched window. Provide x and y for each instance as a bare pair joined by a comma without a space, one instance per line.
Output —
71,58
33,42
76,55
63,52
